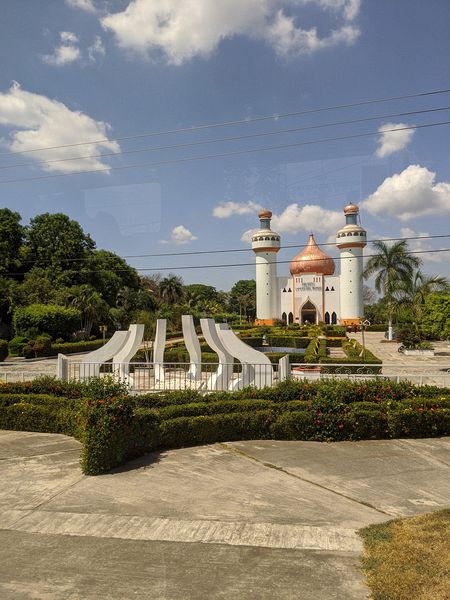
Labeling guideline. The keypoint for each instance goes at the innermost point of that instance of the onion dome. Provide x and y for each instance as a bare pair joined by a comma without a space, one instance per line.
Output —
312,260
265,214
351,209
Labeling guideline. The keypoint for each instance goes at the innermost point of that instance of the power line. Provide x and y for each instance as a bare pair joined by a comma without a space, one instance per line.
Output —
233,250
184,267
251,264
224,154
227,139
236,122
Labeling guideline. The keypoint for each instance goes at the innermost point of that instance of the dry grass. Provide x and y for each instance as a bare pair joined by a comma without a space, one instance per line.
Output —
409,559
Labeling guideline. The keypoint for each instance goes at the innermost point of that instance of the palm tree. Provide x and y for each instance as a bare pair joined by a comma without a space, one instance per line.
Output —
412,293
171,289
394,266
91,306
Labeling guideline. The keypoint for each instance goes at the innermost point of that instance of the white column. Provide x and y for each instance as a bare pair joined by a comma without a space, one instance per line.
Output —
266,285
351,284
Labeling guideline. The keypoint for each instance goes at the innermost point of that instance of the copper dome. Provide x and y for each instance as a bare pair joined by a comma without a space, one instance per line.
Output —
351,209
312,260
265,214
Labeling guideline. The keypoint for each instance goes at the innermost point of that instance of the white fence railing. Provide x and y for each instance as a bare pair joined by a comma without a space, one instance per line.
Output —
208,377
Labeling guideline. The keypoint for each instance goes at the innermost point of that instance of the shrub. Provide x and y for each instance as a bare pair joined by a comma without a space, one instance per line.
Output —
56,321
212,408
192,431
39,412
39,347
414,421
17,344
44,385
3,350
295,425
74,347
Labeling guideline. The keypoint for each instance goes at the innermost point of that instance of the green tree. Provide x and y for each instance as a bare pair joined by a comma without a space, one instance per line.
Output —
243,297
11,239
392,266
36,288
436,316
57,244
91,305
171,289
108,273
414,292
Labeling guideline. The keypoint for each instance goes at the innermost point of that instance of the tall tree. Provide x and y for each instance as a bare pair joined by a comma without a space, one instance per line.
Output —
55,242
242,297
171,289
392,266
91,306
413,292
11,239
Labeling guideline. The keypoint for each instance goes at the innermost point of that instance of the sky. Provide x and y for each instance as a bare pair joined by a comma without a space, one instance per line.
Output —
127,91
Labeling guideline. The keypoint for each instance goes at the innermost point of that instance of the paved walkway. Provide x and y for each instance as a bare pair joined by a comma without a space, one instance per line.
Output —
421,369
243,521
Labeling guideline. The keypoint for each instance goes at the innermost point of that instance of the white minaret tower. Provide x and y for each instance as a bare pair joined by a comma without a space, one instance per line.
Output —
266,244
351,240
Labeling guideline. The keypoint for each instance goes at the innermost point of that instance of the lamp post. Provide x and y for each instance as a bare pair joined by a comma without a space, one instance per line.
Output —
364,324
103,329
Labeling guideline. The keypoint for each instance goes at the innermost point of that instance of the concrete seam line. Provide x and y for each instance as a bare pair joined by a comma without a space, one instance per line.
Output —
265,535
422,453
289,474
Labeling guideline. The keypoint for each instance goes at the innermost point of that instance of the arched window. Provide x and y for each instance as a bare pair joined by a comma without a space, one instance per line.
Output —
327,318
283,317
333,318
290,318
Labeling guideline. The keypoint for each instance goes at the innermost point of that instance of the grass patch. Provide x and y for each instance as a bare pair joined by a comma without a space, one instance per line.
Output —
409,558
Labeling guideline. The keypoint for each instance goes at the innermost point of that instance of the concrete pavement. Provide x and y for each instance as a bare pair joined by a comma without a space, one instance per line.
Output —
243,520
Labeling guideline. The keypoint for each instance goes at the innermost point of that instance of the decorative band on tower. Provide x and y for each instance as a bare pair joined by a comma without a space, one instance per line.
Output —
265,245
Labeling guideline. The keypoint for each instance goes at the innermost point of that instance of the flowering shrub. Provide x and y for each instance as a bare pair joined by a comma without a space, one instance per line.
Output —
115,427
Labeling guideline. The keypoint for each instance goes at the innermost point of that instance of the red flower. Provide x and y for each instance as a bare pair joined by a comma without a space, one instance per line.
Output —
341,426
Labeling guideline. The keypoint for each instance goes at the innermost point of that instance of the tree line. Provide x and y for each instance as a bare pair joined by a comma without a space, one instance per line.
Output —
52,262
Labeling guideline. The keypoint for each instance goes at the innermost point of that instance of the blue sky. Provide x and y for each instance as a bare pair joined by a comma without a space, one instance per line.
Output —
78,71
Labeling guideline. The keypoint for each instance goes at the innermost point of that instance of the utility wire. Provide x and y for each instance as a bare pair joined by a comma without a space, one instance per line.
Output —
223,154
225,251
227,139
238,121
251,264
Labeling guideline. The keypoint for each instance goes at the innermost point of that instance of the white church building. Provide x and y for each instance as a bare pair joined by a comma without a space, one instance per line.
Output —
313,292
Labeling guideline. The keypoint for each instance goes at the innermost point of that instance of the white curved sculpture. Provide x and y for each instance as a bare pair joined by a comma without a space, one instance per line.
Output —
158,349
220,380
257,368
121,360
90,364
193,347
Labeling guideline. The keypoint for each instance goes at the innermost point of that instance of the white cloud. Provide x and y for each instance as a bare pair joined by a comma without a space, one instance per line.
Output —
224,210
67,52
393,141
310,217
180,235
247,235
86,5
420,245
40,122
409,194
96,50
183,30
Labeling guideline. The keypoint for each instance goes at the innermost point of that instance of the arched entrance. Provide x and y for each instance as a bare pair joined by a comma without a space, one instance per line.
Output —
308,313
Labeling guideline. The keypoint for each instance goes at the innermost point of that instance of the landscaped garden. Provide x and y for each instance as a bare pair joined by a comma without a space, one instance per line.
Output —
115,427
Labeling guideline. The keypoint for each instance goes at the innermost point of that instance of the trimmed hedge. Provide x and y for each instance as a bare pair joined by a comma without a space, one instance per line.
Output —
288,341
55,320
115,427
